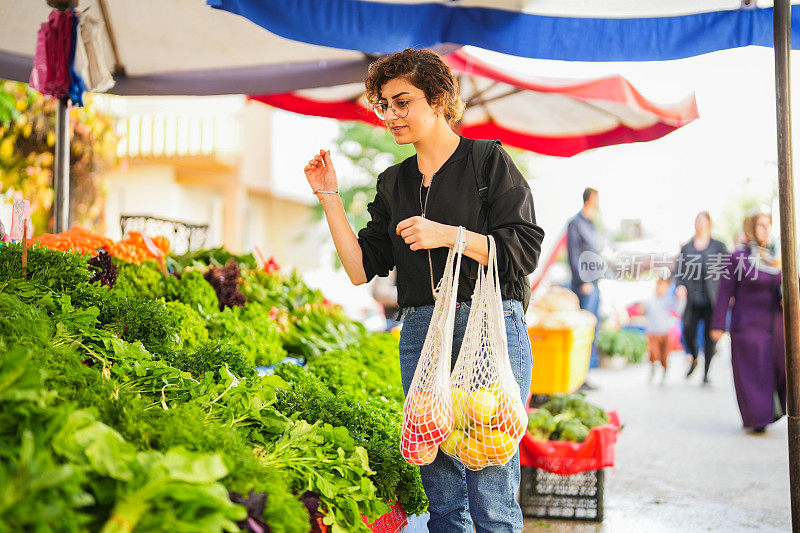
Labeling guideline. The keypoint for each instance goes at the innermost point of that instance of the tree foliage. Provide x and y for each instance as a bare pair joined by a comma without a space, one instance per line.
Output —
27,142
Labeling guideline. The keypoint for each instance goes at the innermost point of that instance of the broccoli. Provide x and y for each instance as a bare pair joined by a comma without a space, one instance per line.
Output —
593,416
566,407
556,404
541,424
573,417
572,430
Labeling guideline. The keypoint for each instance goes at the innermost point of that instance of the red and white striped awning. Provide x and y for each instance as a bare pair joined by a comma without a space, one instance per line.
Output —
549,116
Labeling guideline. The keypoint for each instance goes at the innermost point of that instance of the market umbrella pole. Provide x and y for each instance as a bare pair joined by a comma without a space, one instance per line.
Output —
61,167
61,160
791,309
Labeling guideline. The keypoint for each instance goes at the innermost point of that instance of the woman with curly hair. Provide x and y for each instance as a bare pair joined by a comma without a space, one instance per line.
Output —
418,206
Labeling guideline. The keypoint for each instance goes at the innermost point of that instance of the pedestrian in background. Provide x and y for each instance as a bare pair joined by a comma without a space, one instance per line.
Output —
697,272
658,311
752,287
582,237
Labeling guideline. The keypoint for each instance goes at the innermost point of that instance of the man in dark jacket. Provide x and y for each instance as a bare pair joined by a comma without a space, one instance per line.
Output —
582,238
697,271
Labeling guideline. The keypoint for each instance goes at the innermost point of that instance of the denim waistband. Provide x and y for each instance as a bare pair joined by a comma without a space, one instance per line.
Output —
405,311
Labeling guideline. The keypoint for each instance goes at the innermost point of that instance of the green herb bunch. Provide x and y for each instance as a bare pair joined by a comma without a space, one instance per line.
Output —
59,271
251,330
374,424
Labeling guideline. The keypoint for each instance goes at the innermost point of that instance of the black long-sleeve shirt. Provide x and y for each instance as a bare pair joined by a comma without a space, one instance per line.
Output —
452,199
699,271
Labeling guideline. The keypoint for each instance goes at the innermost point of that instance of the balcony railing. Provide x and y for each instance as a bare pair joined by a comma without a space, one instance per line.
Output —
175,126
159,135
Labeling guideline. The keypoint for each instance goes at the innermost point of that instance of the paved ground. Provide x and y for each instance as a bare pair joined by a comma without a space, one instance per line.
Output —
683,463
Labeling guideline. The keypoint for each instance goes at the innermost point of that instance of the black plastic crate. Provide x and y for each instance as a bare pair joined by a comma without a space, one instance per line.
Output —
543,494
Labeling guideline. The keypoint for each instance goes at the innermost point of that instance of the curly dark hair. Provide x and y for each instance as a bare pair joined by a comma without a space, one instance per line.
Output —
427,71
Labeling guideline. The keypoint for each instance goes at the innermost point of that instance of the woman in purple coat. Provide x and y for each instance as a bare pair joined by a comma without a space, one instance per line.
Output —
751,286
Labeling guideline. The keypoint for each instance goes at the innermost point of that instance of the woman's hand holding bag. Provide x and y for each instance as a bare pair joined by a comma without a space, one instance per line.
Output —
428,411
489,414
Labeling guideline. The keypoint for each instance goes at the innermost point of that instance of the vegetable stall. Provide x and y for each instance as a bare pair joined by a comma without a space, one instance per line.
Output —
130,398
143,391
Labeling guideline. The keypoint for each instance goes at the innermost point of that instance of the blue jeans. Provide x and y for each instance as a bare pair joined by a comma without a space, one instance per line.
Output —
590,302
458,496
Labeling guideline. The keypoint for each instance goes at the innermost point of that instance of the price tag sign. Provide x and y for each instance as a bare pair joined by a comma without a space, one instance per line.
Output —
151,246
20,216
156,251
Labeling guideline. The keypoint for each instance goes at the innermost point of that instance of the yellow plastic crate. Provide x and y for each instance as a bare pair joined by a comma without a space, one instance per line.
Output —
560,358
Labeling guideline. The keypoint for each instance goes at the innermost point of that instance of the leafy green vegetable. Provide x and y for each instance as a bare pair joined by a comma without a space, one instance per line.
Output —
59,271
140,281
126,397
56,462
251,330
193,290
147,321
315,329
38,490
174,491
211,257
374,424
211,357
324,459
22,322
370,369
628,343
192,332
278,290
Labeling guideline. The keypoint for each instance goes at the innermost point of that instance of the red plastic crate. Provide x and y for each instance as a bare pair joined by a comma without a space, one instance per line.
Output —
392,522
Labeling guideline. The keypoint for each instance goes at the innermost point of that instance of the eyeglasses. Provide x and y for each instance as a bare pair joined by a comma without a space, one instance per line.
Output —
398,107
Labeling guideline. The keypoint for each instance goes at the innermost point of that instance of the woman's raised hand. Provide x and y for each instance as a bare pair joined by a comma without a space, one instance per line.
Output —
320,173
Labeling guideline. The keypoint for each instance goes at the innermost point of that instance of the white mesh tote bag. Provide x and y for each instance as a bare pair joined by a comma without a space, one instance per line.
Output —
428,411
489,414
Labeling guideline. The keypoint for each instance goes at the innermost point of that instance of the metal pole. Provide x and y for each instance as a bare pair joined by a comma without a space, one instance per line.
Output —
791,294
61,167
61,155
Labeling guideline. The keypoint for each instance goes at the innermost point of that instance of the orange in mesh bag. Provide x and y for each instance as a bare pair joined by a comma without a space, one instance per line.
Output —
490,417
428,412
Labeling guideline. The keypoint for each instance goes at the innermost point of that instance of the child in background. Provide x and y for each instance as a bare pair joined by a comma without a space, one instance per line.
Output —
659,319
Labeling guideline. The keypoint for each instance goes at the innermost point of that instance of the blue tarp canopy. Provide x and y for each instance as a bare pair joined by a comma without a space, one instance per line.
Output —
572,30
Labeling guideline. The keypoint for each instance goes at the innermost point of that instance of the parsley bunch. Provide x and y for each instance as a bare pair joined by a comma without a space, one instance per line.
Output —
252,331
59,271
192,289
191,330
374,424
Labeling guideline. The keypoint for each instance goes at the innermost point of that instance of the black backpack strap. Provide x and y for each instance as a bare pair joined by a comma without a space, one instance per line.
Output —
481,149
